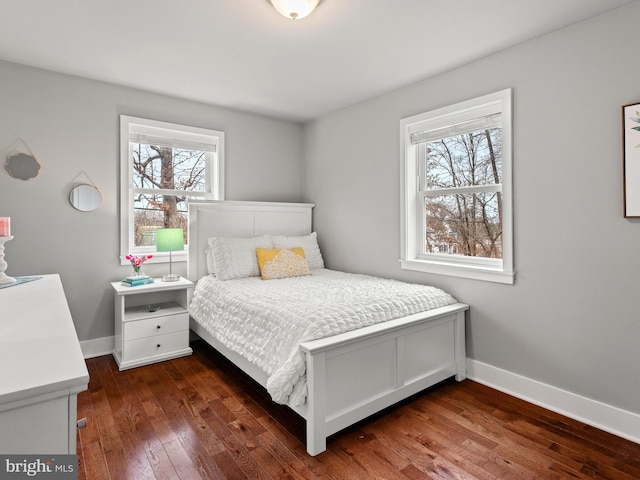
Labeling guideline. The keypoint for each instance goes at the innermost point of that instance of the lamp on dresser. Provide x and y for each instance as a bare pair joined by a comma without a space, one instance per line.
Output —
170,240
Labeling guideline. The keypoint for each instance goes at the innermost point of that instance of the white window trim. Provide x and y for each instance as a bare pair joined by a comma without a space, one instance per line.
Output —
134,125
492,270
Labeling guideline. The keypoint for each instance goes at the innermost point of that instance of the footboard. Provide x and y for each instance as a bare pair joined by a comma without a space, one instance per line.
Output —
356,374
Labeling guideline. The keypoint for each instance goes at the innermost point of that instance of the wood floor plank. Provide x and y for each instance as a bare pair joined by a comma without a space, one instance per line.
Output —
182,462
284,457
423,448
105,422
143,435
272,468
197,417
159,422
160,462
243,459
375,460
527,438
93,463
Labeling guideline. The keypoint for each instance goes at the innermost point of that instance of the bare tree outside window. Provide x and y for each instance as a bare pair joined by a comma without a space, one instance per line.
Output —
164,179
463,204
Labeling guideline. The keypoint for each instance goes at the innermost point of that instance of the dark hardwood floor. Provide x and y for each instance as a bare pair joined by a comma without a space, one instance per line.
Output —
198,418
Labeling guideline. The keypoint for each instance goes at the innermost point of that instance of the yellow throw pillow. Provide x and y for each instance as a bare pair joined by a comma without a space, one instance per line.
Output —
282,263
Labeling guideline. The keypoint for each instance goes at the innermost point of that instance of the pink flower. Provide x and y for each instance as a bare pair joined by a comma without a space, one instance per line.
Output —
137,260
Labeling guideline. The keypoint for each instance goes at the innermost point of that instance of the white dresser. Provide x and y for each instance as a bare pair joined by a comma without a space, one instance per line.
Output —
42,369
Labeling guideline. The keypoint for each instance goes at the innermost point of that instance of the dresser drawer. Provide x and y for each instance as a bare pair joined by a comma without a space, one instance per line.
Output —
152,327
155,346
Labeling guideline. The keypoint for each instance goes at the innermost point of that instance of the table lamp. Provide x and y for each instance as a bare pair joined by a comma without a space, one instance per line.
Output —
169,240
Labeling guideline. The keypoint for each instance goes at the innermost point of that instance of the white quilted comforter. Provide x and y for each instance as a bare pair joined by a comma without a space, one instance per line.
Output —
265,321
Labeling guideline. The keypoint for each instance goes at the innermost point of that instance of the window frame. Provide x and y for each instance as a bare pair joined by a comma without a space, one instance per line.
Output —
413,227
130,125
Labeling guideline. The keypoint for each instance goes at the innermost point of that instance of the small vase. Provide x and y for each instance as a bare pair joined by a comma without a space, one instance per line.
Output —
136,272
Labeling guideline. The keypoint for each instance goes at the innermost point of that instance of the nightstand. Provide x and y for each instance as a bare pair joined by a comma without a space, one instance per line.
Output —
151,322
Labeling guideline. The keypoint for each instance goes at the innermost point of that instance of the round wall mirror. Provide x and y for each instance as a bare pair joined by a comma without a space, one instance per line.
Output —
85,197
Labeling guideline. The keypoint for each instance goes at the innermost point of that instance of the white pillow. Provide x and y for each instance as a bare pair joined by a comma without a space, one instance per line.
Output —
211,263
236,257
309,244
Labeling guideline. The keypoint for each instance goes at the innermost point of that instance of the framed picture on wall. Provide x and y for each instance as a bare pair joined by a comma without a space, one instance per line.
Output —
631,159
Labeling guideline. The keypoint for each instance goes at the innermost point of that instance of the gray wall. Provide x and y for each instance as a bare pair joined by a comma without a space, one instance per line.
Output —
72,126
572,319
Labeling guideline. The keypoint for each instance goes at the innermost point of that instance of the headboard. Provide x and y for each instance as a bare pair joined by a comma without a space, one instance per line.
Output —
240,219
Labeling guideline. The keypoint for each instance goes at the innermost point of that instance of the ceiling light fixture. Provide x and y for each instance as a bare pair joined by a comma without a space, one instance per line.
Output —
294,9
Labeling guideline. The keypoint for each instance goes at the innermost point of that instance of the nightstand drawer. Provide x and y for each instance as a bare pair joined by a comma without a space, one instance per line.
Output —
155,346
153,327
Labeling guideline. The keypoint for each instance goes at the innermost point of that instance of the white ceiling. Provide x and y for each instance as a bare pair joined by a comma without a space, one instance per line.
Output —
243,54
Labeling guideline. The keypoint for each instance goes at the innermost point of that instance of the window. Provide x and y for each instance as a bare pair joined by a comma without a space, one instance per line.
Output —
163,166
456,205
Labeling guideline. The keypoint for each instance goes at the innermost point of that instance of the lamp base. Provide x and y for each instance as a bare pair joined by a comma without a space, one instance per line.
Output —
5,279
170,277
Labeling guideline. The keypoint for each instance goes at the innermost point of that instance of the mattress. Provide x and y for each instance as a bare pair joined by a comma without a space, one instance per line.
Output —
266,321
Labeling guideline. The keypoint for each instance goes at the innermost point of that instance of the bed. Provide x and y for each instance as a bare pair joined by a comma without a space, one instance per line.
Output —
387,360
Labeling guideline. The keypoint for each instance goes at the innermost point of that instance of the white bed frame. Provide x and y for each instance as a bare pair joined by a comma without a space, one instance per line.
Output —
352,375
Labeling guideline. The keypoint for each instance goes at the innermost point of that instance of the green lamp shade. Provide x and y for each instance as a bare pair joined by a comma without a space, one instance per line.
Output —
169,239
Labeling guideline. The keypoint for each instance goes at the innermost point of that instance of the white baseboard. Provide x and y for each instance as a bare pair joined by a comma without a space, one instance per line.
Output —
597,414
97,347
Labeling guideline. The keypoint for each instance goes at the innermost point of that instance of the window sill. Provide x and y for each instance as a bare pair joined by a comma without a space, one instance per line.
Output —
472,272
159,257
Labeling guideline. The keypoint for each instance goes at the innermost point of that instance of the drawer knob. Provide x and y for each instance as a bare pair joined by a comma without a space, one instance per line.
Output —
158,327
158,346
